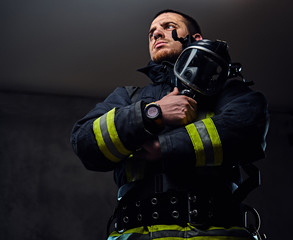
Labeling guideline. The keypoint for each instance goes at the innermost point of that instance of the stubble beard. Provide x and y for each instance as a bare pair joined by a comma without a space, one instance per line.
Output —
169,55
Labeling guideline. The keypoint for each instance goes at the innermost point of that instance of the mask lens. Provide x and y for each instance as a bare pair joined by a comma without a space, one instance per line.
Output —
199,70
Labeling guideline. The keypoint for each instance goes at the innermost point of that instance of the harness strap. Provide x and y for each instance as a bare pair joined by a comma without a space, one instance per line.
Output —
178,208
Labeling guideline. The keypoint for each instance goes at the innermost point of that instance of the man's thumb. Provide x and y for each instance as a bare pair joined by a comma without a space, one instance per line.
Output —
175,91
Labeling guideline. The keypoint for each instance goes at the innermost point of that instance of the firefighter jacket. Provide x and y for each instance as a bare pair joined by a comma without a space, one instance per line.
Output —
230,131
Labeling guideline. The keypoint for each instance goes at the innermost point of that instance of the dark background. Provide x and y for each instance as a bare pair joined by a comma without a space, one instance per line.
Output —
59,58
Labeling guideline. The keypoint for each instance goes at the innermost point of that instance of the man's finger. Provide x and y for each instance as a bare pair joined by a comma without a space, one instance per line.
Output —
175,91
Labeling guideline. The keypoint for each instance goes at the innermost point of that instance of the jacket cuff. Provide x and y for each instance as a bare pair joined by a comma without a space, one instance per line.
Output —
142,131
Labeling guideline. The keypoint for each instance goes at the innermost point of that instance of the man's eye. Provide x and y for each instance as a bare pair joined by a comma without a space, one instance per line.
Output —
170,27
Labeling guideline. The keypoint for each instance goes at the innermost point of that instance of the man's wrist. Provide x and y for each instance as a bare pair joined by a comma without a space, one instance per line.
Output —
152,117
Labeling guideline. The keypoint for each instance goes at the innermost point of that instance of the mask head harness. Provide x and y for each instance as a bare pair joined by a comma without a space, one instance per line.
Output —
204,66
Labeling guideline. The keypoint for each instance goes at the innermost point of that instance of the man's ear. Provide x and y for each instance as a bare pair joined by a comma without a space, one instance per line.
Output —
197,36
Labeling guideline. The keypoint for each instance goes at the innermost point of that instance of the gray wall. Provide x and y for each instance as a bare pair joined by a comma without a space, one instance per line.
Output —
46,193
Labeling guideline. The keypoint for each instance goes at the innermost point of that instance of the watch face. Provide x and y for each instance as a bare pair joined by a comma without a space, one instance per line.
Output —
153,112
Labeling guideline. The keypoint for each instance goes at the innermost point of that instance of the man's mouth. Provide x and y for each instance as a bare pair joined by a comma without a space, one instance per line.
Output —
159,44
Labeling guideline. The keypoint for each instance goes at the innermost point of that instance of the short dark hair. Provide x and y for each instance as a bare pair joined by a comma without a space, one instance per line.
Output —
192,25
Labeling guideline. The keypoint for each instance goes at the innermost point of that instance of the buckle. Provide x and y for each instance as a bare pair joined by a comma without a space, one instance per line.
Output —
200,209
192,208
254,228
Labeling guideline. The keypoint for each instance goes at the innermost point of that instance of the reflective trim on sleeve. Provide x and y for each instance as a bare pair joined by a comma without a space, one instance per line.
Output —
197,144
206,143
216,141
101,143
114,135
107,137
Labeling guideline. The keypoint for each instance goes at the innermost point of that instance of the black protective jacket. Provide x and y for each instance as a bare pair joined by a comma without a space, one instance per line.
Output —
230,131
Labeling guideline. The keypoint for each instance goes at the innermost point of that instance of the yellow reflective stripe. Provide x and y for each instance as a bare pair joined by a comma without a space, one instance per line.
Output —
216,141
172,227
114,135
197,144
205,238
212,233
101,143
227,229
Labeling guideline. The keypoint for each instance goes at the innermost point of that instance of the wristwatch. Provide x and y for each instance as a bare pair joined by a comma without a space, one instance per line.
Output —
153,114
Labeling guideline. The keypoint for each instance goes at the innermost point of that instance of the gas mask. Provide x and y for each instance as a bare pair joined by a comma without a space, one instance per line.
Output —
203,66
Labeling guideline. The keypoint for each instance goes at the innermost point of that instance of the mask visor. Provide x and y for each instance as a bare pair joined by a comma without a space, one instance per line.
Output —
199,70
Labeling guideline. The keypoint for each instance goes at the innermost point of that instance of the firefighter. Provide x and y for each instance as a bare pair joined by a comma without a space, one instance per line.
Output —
177,145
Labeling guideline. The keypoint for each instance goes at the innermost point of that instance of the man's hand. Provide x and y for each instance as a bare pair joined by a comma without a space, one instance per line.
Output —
178,110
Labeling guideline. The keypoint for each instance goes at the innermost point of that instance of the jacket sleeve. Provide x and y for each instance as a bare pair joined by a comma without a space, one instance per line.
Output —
234,134
100,140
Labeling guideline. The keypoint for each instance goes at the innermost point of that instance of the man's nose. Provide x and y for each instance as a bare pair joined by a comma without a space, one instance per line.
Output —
158,34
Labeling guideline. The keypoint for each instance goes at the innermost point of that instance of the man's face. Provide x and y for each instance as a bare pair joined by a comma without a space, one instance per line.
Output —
161,44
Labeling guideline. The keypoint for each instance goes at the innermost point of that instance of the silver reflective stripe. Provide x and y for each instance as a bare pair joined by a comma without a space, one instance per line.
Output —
107,138
207,143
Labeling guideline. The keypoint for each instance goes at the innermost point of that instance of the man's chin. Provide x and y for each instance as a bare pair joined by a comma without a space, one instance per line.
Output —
165,55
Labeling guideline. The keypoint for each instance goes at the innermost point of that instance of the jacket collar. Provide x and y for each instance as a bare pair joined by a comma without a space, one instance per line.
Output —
159,73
